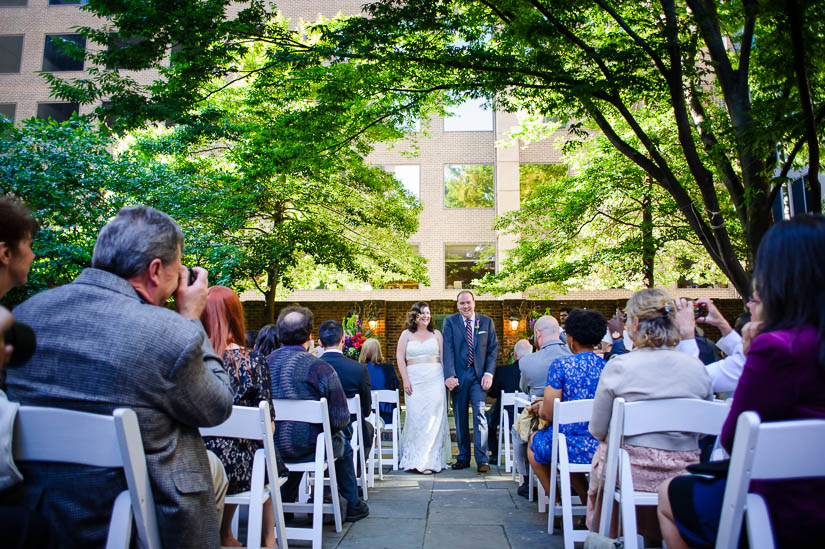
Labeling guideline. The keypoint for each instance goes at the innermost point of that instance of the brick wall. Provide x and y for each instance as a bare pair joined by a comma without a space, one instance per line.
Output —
391,316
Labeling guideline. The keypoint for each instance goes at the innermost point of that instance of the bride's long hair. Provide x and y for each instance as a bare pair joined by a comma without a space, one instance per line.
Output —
412,317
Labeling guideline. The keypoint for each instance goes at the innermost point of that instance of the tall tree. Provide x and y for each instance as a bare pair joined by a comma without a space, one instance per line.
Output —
607,225
737,109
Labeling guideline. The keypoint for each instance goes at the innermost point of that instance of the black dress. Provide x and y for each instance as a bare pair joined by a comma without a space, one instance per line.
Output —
249,375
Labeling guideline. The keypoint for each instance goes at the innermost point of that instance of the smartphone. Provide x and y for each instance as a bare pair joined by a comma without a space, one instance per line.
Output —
192,276
700,310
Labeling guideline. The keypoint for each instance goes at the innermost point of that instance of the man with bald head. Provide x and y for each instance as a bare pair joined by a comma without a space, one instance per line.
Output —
534,369
299,375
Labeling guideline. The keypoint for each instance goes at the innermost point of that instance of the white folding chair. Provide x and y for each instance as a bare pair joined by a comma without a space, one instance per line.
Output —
572,411
766,451
520,401
316,412
648,416
376,458
255,424
504,448
69,436
357,443
390,397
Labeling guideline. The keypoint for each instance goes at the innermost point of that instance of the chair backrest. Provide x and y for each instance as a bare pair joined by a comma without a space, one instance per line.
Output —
571,411
308,411
767,451
242,423
508,399
354,405
689,415
69,436
389,396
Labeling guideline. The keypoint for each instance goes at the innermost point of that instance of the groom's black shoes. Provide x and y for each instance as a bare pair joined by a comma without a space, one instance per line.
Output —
483,468
459,465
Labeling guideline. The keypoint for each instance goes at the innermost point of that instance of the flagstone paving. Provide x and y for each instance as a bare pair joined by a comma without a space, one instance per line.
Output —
451,509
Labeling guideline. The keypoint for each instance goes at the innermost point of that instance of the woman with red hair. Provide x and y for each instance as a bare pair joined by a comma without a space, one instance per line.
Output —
249,374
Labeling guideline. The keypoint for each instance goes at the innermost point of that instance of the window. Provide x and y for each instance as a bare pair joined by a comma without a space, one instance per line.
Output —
66,2
469,186
470,116
8,110
12,3
465,262
11,51
403,284
59,112
532,175
61,51
409,175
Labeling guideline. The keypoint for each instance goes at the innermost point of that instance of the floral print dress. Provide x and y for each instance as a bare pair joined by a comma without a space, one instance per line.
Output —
249,375
577,376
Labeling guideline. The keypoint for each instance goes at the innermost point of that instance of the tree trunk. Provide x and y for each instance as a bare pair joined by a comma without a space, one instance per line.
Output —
648,243
269,294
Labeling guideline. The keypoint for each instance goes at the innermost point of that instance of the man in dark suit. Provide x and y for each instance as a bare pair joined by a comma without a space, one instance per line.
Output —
354,376
470,350
505,380
107,341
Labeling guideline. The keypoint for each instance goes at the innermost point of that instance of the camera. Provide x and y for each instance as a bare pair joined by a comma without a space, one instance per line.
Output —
193,276
700,310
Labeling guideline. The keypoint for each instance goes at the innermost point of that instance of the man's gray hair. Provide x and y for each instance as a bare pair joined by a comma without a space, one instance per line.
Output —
136,236
522,348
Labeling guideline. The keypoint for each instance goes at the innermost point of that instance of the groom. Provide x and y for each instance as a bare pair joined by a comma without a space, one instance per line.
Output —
470,349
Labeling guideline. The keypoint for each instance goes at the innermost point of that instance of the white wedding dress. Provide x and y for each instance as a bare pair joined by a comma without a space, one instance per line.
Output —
424,438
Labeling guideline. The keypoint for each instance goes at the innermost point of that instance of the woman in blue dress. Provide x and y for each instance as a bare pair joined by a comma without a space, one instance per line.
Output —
573,377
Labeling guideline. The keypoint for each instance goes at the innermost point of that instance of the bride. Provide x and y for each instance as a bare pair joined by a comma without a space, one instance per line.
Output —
419,361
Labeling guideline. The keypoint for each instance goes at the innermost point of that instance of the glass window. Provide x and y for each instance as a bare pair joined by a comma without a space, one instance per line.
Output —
403,284
409,175
465,262
469,186
470,116
8,110
59,112
11,3
532,175
56,55
66,2
11,51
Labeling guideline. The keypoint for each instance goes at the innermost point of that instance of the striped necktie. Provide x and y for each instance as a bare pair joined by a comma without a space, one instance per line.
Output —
468,332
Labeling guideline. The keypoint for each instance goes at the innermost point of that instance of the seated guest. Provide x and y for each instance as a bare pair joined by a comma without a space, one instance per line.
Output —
382,376
533,368
123,348
249,376
19,526
783,379
653,370
573,377
267,340
299,375
354,376
505,379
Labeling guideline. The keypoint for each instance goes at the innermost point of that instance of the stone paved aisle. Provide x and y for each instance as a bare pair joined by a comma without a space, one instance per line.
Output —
451,509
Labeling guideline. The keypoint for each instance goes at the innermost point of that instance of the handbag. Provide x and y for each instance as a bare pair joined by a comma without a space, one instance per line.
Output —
526,423
594,540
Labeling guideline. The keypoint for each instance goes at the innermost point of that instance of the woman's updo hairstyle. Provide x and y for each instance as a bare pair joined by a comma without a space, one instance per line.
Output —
656,313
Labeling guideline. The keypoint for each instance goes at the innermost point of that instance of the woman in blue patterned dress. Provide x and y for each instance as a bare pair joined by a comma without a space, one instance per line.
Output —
573,377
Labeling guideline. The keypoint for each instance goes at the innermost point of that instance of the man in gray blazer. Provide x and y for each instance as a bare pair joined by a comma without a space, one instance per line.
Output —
106,341
534,369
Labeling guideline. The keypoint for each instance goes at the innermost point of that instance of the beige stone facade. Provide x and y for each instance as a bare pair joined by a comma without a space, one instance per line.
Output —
439,225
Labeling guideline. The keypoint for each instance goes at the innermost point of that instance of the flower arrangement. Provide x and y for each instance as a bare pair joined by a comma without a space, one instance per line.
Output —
354,335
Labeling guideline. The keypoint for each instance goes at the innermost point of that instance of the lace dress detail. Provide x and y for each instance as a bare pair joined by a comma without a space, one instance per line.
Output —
423,439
